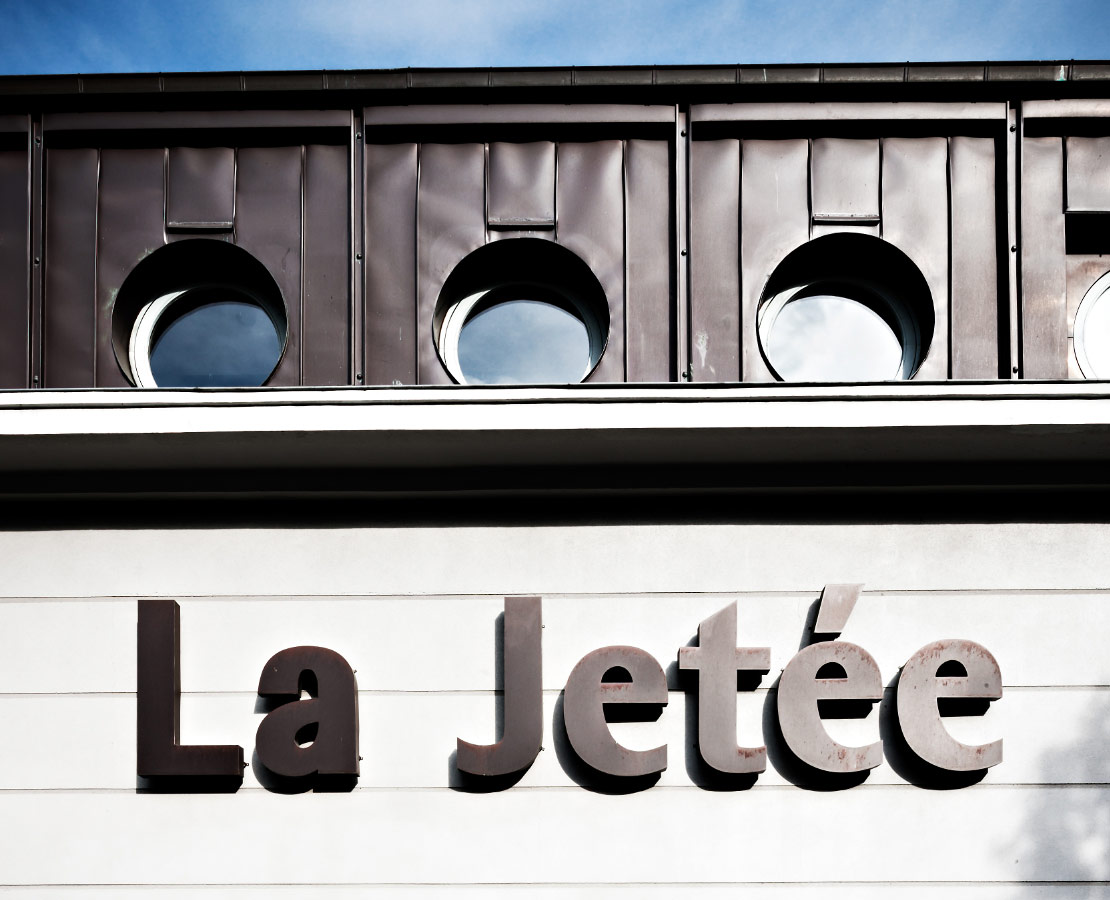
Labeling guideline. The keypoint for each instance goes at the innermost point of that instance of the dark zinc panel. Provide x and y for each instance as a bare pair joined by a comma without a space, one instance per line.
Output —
974,250
325,341
451,223
521,185
915,220
200,188
714,260
1043,280
268,225
774,217
14,234
390,264
129,228
591,223
69,301
648,268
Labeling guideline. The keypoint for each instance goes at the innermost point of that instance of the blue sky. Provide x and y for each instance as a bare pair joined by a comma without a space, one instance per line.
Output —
38,36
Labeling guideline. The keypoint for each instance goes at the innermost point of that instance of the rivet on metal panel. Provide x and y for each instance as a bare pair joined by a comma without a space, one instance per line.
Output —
1013,248
358,256
1013,128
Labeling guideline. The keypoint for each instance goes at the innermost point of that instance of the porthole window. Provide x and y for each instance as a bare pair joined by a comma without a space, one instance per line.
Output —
521,311
1091,336
199,313
845,308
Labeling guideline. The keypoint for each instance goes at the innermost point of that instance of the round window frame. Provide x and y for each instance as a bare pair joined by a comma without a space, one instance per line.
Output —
160,314
184,275
828,265
1097,292
505,271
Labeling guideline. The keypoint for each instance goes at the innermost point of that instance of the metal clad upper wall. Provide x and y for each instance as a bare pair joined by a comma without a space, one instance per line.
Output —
15,264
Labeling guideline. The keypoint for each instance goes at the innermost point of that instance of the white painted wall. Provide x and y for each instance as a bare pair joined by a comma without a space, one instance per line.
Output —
414,609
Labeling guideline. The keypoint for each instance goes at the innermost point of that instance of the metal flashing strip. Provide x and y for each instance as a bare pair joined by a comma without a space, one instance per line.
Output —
967,72
847,111
552,428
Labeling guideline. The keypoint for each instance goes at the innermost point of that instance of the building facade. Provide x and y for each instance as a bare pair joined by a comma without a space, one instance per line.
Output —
528,411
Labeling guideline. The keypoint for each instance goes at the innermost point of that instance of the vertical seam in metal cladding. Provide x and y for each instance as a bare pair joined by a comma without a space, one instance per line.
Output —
740,348
485,190
165,192
624,246
234,194
680,206
38,248
879,187
29,284
96,263
948,199
809,192
355,232
300,299
415,349
1014,140
555,188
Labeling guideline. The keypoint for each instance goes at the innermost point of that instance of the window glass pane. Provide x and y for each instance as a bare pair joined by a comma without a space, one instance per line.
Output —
223,344
830,338
524,342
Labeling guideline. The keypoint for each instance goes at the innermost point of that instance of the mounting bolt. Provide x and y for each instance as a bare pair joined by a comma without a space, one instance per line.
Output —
358,135
685,375
1013,249
1015,370
683,252
36,260
684,134
1013,128
358,256
358,377
38,140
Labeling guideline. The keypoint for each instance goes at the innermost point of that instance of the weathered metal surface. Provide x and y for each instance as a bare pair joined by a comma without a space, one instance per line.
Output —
1088,176
451,222
774,219
649,314
520,187
714,255
125,120
801,693
326,317
844,180
717,660
921,688
160,755
15,267
590,200
915,220
130,226
1044,340
287,742
522,665
200,188
69,302
974,264
836,605
584,701
389,262
515,113
834,111
268,225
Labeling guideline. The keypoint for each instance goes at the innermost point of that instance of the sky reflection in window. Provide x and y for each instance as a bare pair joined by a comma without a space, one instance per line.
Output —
524,342
225,344
830,338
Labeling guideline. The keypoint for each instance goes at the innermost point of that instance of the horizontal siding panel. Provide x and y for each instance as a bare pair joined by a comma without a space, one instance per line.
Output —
447,643
552,559
431,837
1051,736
